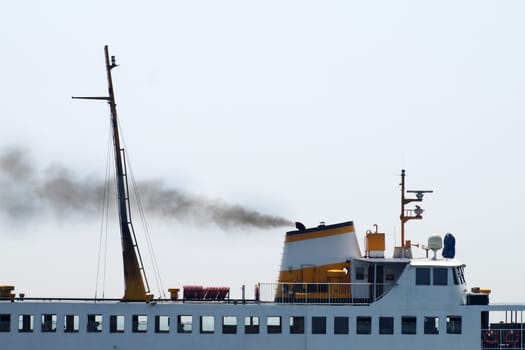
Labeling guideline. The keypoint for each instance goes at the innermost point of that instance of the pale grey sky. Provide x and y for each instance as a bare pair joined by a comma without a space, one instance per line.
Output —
302,109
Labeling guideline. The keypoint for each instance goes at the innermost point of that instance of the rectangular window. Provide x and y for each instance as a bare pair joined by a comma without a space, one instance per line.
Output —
139,323
25,323
431,325
340,325
386,325
162,324
49,323
454,324
363,325
184,323
318,325
251,325
94,323
5,322
273,324
408,325
229,325
71,323
440,276
116,324
207,324
297,324
359,273
422,276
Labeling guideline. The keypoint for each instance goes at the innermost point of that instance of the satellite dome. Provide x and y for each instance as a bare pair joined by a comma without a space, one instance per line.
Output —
435,242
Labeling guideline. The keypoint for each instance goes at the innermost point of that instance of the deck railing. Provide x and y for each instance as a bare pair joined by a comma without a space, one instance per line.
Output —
323,293
504,338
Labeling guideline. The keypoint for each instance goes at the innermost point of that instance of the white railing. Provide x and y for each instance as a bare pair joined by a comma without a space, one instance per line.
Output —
323,293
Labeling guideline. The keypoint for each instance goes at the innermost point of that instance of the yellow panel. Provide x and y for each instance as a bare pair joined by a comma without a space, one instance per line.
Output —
315,274
315,282
375,241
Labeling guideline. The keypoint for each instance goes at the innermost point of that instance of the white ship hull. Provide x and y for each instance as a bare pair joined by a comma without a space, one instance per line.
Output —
471,336
218,325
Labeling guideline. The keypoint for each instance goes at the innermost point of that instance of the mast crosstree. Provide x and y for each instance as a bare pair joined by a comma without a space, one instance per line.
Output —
135,282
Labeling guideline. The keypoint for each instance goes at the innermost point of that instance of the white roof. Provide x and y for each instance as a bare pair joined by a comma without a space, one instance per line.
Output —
384,260
437,262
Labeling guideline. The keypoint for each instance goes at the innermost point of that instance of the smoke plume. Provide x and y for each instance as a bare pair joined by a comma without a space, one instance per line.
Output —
26,191
174,203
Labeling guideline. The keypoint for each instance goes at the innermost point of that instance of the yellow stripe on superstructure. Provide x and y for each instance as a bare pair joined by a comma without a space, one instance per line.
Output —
318,234
312,274
315,282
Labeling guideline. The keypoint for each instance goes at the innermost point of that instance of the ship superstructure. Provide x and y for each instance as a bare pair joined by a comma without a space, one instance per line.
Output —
329,294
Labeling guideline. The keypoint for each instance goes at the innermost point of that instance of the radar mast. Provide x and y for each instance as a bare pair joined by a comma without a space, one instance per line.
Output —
408,214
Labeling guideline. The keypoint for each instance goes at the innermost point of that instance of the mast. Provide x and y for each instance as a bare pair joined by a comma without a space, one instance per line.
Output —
135,281
409,214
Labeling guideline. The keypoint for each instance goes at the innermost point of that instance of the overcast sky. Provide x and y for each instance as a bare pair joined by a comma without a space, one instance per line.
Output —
306,110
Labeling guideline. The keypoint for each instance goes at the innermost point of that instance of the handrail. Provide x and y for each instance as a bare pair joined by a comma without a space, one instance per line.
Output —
503,338
324,293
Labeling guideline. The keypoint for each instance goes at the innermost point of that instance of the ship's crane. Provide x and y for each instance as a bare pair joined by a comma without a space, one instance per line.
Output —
135,282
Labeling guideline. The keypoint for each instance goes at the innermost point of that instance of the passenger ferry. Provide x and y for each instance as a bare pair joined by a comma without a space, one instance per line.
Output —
329,295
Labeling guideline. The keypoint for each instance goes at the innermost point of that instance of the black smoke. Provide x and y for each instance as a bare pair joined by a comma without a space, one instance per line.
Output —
26,191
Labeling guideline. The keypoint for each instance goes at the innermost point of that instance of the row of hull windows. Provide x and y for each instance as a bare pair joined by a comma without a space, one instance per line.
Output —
139,324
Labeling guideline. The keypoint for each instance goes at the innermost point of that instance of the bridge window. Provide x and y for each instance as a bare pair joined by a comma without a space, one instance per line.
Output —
49,323
341,325
363,325
5,322
460,274
71,323
25,323
386,325
408,325
184,323
207,324
229,325
440,276
318,325
162,324
94,323
251,325
431,325
139,323
422,276
454,324
116,324
273,324
297,324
